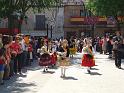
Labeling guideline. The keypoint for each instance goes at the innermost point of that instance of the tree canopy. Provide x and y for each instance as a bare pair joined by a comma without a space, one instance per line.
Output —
106,7
113,8
8,7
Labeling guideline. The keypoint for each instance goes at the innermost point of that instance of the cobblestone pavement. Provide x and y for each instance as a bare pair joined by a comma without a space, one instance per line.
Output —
105,78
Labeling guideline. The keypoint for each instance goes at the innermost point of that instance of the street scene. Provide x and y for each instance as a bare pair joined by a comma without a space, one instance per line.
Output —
104,78
61,46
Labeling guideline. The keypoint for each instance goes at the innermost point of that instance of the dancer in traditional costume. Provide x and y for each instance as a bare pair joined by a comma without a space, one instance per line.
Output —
88,57
64,60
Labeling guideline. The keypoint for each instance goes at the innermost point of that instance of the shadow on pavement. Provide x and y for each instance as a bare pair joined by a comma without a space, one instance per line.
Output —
69,78
122,68
16,87
20,75
100,58
95,73
48,72
13,86
34,66
94,69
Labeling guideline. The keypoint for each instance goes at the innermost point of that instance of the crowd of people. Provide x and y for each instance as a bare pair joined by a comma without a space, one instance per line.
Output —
19,51
15,53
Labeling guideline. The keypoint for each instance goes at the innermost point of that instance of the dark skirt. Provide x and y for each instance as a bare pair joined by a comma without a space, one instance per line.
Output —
45,60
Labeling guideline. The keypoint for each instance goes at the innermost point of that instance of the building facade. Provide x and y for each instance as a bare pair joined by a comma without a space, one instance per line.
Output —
78,22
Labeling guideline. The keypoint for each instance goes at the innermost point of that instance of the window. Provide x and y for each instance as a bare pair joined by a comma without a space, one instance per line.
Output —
40,22
82,13
73,12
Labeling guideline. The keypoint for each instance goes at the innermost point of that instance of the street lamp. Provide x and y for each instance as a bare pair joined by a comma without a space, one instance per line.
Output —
47,30
51,28
47,35
84,9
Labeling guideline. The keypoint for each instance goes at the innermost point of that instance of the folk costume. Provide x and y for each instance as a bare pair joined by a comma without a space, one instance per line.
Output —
88,58
63,58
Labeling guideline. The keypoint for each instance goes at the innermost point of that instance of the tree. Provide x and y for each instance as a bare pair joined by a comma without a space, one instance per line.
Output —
15,10
107,8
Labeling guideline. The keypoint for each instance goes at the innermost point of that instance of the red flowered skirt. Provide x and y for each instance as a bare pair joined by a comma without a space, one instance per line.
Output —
88,62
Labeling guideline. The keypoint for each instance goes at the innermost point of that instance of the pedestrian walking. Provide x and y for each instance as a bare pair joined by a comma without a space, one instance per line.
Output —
120,54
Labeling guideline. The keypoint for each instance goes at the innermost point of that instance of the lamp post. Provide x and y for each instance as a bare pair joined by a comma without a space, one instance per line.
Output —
51,31
47,30
84,9
47,36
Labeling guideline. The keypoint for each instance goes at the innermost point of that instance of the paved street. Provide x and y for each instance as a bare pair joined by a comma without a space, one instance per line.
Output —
105,78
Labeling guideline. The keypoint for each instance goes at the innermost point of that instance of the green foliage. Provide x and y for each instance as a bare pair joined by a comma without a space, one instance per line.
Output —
8,7
106,7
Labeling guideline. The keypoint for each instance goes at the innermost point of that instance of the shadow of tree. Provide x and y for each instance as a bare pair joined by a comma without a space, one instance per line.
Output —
34,66
17,88
13,86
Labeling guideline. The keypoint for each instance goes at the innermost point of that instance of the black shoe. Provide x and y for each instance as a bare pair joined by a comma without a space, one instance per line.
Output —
119,67
61,76
44,70
20,73
89,71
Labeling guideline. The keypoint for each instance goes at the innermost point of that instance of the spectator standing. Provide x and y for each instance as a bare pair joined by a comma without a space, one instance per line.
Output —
2,64
16,49
1,44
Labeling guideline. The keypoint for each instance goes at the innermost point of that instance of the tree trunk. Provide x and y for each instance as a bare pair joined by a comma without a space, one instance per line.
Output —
10,24
14,25
93,30
118,24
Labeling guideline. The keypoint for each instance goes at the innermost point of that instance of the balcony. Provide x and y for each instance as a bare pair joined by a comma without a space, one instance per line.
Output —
77,20
88,20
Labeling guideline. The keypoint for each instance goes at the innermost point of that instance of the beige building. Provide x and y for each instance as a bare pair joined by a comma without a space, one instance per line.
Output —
76,23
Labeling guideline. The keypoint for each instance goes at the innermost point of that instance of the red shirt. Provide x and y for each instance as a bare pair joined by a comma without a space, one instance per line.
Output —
30,49
100,42
1,61
15,47
7,54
